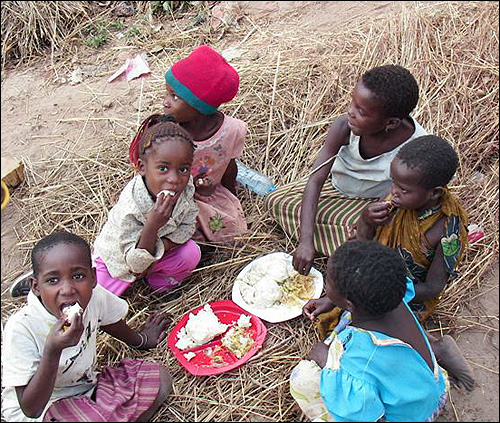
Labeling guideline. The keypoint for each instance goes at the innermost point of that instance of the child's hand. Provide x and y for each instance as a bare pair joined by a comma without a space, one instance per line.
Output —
319,354
203,184
313,308
162,209
168,244
303,257
154,330
62,336
378,214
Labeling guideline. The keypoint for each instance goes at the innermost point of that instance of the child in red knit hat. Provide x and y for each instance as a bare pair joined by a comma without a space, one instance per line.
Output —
195,87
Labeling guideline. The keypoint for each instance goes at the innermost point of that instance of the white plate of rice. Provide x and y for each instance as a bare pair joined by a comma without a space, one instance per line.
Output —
271,289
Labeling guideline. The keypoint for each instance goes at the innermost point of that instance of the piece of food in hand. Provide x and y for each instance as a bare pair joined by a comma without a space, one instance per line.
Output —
166,192
389,203
70,311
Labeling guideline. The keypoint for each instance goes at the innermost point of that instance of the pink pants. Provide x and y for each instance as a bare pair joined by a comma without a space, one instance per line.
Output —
164,275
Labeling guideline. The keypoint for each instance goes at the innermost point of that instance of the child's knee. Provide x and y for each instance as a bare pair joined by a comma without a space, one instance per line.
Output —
191,255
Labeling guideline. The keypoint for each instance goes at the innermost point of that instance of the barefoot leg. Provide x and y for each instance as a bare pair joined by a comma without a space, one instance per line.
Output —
165,389
452,360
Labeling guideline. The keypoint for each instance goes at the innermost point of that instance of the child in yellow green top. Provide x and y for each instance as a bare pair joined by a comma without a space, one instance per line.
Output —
421,218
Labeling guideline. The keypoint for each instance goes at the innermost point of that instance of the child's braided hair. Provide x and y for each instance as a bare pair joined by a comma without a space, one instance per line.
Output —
156,128
395,88
370,275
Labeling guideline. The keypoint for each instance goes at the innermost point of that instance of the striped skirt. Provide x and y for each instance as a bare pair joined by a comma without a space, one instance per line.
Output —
122,394
336,215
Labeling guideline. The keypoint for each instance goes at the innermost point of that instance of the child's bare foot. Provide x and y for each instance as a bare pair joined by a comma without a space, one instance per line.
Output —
452,360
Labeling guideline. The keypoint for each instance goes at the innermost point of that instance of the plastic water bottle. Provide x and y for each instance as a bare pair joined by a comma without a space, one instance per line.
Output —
253,180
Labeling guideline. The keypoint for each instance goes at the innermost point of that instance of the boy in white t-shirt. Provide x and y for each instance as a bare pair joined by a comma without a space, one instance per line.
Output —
48,359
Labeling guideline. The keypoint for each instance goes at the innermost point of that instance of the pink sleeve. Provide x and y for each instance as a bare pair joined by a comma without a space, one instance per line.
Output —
239,130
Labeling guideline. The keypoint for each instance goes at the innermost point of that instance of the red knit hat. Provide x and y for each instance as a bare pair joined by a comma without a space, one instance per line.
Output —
204,80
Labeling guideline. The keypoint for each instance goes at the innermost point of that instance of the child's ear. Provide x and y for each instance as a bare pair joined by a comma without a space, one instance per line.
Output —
392,123
350,305
94,275
437,193
35,286
141,167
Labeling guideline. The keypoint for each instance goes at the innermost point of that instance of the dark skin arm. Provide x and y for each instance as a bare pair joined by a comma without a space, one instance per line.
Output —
437,275
229,178
313,308
378,214
319,354
203,185
34,396
154,329
338,135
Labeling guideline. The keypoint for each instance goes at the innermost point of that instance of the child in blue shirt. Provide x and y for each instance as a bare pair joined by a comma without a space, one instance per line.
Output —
381,366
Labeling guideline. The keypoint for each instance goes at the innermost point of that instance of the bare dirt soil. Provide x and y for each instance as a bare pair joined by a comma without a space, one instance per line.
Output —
44,116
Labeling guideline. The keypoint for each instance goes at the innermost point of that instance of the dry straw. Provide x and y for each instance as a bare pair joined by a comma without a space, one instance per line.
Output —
29,27
292,86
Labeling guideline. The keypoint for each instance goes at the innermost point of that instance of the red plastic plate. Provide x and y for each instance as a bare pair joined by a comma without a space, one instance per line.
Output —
205,365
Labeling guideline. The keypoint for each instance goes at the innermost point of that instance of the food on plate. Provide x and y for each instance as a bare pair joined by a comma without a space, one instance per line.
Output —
262,293
244,321
238,341
70,311
189,355
259,286
275,282
200,329
274,269
297,287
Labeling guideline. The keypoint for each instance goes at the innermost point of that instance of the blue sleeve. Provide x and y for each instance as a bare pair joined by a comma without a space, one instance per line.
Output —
410,291
349,399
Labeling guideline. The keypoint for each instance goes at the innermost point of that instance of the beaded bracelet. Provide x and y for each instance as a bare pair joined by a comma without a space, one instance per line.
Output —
144,340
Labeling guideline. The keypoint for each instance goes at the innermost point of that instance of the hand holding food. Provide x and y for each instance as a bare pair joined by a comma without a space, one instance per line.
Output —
70,311
313,308
379,213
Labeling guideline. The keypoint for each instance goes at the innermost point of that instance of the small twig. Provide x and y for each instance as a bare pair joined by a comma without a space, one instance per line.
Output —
269,130
482,367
